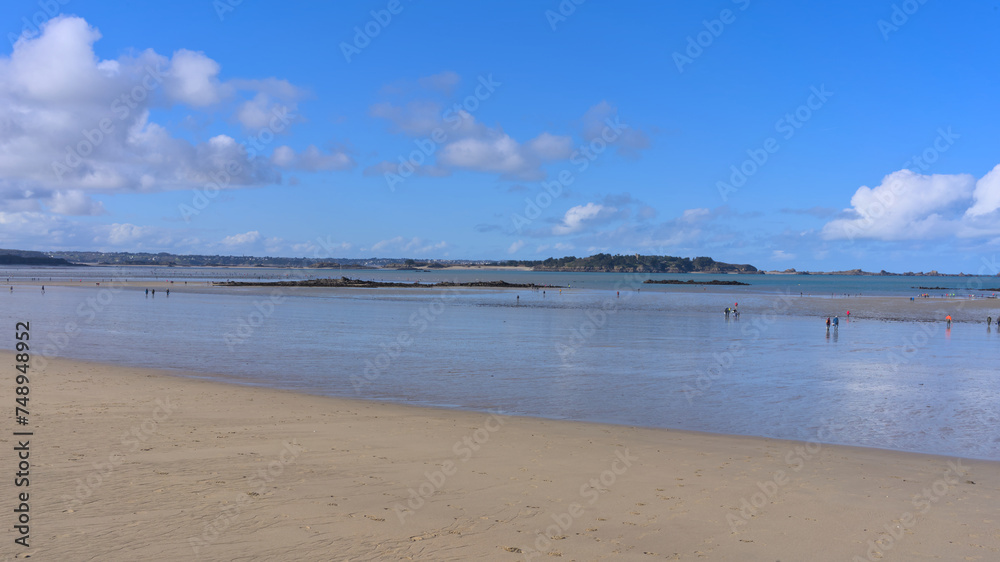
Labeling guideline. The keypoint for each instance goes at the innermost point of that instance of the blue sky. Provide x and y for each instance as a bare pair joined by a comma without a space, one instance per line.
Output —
781,134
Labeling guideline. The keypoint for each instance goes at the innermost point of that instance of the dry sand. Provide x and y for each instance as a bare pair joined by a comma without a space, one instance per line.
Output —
133,464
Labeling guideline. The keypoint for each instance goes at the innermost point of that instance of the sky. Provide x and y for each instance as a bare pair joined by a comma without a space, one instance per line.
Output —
816,136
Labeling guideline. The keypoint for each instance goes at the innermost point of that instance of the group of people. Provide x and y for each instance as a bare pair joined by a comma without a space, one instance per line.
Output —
734,311
989,322
836,321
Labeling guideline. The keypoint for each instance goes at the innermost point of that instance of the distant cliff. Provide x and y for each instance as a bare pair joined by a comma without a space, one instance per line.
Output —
25,257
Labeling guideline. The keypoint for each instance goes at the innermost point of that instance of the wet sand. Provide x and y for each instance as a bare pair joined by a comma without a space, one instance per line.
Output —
133,464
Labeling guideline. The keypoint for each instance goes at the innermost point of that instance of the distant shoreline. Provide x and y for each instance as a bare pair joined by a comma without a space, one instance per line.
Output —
464,267
855,272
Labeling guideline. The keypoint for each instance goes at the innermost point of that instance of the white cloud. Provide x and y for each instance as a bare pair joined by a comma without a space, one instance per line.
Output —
470,145
56,93
496,152
781,255
417,118
74,202
123,234
256,113
193,79
57,66
443,82
578,217
560,246
386,167
694,215
515,247
547,146
905,206
244,239
411,246
986,194
311,159
273,245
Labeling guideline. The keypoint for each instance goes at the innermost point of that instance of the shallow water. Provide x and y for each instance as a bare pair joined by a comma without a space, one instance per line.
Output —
815,285
650,358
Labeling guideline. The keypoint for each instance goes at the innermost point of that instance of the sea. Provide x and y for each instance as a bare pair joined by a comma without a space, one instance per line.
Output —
598,347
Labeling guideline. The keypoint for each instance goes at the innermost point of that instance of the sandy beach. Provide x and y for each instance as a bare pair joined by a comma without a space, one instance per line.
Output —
132,464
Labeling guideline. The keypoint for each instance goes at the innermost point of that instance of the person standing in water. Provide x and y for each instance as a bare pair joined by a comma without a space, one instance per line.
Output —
836,321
